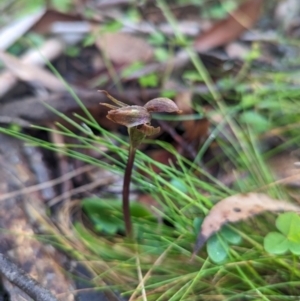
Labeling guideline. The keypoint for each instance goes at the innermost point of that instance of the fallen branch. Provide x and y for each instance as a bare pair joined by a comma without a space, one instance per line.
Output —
27,284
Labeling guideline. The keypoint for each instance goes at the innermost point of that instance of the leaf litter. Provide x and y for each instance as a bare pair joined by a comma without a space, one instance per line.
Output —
122,50
237,208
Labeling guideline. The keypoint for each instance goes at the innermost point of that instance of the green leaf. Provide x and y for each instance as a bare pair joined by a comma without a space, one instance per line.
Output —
89,40
150,80
289,224
179,185
129,70
104,224
62,5
161,54
72,51
276,243
133,15
192,76
197,224
168,93
37,39
157,38
256,121
139,210
230,235
96,205
107,215
114,207
294,247
217,248
15,127
113,26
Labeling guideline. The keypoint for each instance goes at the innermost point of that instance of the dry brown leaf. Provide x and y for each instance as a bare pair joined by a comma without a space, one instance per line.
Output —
31,73
123,48
231,28
195,130
284,168
44,24
51,49
236,208
184,100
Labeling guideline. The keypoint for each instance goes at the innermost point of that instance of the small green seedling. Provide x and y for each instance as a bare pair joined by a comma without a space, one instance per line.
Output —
288,237
218,244
149,80
107,215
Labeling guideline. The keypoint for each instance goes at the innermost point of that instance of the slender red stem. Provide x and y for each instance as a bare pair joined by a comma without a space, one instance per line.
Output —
126,190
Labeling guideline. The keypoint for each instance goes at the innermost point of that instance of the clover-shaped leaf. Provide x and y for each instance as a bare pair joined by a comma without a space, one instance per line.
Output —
276,243
218,244
294,247
231,236
289,238
289,225
217,248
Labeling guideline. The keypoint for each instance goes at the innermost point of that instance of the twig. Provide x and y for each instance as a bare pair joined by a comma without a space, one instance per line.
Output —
27,284
81,189
44,185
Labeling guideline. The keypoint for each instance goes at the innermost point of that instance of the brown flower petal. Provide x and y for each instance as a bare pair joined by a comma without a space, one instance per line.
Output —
129,116
148,130
161,105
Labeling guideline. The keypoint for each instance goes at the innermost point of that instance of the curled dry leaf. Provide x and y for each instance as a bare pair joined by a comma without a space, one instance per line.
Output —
231,28
236,208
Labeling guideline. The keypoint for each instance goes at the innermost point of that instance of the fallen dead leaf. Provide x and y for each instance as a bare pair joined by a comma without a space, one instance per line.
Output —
123,48
51,49
231,28
44,24
284,169
183,100
31,73
236,208
195,130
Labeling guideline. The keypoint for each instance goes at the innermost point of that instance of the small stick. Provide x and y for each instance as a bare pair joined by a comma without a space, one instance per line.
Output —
27,284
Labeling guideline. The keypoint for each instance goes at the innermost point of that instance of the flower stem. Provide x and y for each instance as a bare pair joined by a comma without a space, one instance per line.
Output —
126,189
